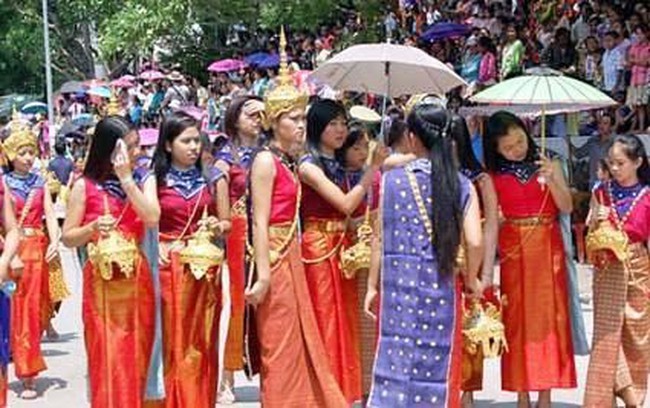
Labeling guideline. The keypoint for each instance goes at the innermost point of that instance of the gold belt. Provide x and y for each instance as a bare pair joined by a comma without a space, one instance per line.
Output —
31,232
529,221
325,225
281,230
239,208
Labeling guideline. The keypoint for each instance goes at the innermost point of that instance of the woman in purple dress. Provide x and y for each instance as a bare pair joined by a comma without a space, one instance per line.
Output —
426,207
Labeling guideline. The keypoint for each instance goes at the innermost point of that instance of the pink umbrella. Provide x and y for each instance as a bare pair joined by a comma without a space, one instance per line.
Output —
193,111
152,75
148,136
227,65
122,83
303,81
128,77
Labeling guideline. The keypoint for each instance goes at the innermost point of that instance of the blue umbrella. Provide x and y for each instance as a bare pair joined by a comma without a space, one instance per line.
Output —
33,108
101,91
256,58
83,120
271,61
442,31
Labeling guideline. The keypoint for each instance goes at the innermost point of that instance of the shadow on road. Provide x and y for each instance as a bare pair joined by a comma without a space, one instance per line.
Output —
54,353
63,338
247,394
43,384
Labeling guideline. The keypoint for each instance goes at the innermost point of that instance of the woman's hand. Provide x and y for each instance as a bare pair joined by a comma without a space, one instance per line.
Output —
122,165
603,212
369,302
105,223
4,270
379,155
474,288
16,265
214,225
257,293
546,169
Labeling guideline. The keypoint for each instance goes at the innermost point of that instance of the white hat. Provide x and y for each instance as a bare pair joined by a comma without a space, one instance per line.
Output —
364,114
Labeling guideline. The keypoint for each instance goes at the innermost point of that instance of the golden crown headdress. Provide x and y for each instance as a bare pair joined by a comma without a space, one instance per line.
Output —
114,108
20,135
284,97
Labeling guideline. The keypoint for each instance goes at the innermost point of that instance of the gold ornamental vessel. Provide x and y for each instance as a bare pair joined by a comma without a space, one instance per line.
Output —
201,254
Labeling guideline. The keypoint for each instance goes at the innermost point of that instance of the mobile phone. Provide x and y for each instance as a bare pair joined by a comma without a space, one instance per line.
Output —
120,148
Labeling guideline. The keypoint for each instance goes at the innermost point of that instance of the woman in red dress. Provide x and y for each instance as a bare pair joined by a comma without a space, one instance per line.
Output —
353,156
9,244
531,191
327,204
620,357
28,199
470,167
294,368
243,127
191,293
111,205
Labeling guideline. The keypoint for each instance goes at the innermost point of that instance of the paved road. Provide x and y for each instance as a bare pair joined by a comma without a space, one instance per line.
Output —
64,383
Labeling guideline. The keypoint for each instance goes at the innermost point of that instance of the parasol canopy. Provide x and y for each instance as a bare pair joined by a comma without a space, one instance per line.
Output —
227,65
152,75
387,69
545,87
442,31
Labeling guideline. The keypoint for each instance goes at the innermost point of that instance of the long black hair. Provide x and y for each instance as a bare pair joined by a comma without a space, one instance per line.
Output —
498,126
170,128
634,150
462,139
107,132
432,125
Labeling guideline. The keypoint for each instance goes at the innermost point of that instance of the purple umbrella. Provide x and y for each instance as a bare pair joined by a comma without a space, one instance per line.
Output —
227,65
256,58
442,31
271,61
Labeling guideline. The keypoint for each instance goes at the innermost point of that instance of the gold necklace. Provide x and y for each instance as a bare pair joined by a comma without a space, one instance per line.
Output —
424,215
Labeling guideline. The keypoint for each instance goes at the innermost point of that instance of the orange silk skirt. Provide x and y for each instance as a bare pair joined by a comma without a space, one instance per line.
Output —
3,387
191,311
620,356
236,249
535,308
118,316
30,307
335,301
294,370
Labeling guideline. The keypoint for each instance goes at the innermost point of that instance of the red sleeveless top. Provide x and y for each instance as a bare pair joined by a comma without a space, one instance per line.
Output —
21,189
178,210
285,194
520,199
129,222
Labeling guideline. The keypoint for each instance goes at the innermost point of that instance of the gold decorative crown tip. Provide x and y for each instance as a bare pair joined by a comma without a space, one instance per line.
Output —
113,108
285,96
20,135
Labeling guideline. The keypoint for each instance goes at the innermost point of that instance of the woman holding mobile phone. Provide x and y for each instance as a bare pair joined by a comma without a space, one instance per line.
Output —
108,210
27,202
